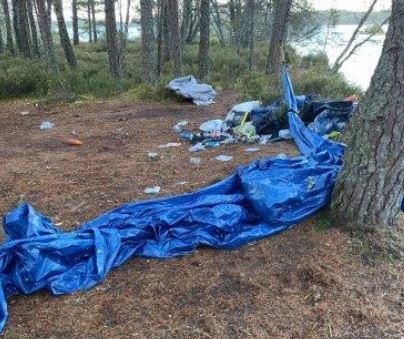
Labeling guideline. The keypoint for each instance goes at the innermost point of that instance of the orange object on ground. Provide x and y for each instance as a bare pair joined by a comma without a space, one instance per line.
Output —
352,97
74,142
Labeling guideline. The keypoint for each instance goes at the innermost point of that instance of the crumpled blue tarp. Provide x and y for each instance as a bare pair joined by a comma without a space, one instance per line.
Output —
261,199
189,88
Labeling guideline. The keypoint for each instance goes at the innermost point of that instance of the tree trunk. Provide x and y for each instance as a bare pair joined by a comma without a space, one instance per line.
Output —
34,32
370,188
175,38
112,39
204,35
186,20
219,23
166,53
148,41
64,35
95,34
24,27
9,33
75,19
127,21
2,49
251,32
90,29
47,41
160,24
337,64
278,35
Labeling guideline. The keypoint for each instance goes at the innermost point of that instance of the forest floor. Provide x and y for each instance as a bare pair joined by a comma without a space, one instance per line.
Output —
312,281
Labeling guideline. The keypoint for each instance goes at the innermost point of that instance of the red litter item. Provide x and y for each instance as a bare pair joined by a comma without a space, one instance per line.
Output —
74,142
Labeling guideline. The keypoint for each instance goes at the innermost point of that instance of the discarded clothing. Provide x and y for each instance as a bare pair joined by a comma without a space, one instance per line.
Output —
189,88
259,200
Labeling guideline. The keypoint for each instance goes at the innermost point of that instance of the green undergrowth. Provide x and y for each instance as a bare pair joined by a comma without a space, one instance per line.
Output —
21,78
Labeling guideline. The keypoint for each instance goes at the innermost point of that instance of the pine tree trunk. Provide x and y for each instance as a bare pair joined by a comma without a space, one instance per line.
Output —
95,34
159,36
175,38
2,49
89,21
47,41
219,23
166,53
148,42
186,20
278,35
34,32
9,33
64,35
75,19
370,189
24,28
112,39
251,32
204,36
127,21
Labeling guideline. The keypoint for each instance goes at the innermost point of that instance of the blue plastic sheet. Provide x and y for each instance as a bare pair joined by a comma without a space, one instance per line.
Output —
259,200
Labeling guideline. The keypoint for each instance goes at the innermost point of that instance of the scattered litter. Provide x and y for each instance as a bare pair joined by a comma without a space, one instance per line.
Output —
197,147
212,126
190,136
189,88
195,160
46,125
24,113
74,142
224,158
246,129
170,144
179,126
285,134
152,155
265,139
152,190
252,149
181,183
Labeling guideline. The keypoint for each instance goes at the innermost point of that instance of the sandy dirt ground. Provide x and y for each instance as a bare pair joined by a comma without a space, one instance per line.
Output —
312,281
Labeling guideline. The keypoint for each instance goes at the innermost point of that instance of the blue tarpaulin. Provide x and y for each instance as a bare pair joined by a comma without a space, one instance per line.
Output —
261,199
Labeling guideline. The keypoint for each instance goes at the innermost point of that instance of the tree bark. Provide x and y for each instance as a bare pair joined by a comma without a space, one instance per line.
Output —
204,35
2,49
219,23
95,34
112,39
9,33
64,35
186,20
90,28
251,31
370,188
21,27
47,41
278,35
75,19
160,24
148,41
127,21
34,32
175,38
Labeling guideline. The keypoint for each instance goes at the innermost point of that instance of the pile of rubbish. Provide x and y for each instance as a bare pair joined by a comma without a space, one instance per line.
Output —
252,122
189,88
258,200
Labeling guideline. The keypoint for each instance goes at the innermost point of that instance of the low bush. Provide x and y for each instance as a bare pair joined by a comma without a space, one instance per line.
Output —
229,71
